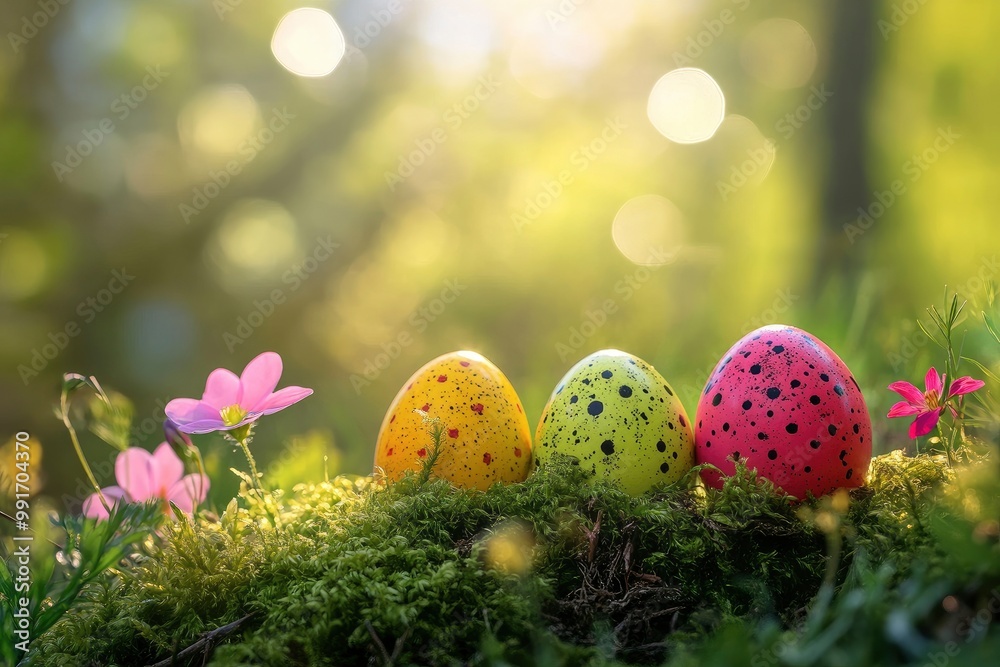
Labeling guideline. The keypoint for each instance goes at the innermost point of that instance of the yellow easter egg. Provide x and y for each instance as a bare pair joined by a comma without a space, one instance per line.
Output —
485,437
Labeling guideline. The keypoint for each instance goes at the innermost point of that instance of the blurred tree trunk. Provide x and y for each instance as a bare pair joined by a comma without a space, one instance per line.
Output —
846,184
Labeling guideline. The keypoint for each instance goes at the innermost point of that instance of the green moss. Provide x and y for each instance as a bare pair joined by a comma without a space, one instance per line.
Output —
555,570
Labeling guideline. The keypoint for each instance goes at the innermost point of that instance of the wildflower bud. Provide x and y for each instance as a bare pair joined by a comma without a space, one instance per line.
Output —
178,440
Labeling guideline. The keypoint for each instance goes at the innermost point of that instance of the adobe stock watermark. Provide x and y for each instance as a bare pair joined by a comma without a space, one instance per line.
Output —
911,172
408,163
87,311
365,34
786,127
292,279
417,323
120,108
32,23
901,13
623,290
712,29
969,629
203,195
773,314
915,340
563,10
579,161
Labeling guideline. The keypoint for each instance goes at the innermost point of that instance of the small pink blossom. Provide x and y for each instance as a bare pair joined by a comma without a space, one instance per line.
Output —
929,405
143,477
230,402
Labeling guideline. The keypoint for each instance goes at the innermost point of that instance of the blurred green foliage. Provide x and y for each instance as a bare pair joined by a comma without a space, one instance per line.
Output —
313,249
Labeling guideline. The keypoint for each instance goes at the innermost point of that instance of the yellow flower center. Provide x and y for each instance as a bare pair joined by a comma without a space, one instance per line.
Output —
932,398
232,415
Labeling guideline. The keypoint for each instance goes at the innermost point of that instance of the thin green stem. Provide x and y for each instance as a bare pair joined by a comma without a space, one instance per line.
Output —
253,467
64,410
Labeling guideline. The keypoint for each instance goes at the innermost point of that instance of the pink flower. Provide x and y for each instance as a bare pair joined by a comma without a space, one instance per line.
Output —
230,402
143,476
928,405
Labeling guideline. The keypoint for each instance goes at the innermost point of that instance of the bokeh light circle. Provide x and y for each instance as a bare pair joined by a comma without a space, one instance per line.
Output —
686,105
649,230
308,42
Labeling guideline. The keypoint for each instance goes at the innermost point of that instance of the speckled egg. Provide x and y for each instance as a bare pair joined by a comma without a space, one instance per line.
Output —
620,419
486,438
785,403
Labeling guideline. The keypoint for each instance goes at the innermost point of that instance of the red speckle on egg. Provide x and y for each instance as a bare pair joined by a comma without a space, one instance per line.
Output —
487,458
409,386
453,433
464,363
442,378
784,403
517,452
389,453
392,419
478,407
427,406
519,407
422,452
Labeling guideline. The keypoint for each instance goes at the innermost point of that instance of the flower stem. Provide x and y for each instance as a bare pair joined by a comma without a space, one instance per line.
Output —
64,410
253,467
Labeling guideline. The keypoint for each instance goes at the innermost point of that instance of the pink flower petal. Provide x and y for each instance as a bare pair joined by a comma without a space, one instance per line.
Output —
183,411
222,389
134,472
965,385
924,424
281,399
903,409
204,426
167,470
933,381
259,379
93,507
191,490
912,395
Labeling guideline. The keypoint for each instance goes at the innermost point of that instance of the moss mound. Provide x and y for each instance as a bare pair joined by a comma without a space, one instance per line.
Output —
557,570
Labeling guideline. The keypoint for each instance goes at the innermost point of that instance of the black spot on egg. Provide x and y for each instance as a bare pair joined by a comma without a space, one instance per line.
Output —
857,429
795,384
839,390
661,446
747,405
606,374
664,467
792,428
772,454
608,447
762,436
850,472
773,393
725,427
814,399
595,408
824,377
778,349
814,444
755,369
625,391
717,399
574,399
832,430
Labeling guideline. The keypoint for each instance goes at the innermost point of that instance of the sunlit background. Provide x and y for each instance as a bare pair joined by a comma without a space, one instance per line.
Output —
362,186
